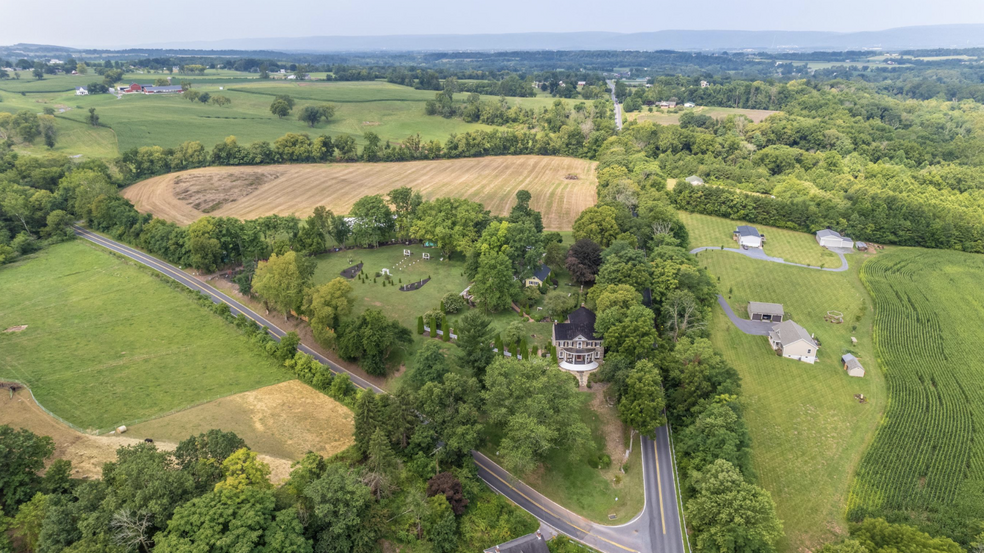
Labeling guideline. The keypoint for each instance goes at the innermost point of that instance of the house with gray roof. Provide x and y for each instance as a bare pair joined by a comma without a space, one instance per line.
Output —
852,365
694,180
833,239
792,341
769,312
748,236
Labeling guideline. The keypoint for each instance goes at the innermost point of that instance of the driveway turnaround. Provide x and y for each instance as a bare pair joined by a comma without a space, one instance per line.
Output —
656,529
754,328
757,253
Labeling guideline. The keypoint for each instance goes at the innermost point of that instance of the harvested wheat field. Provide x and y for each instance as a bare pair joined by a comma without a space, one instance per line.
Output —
562,187
284,420
88,453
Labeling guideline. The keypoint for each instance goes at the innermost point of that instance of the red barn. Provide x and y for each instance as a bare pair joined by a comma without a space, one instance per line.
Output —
132,88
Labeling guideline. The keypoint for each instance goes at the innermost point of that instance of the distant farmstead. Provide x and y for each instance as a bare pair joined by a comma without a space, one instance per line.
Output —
833,239
748,237
81,91
852,365
135,88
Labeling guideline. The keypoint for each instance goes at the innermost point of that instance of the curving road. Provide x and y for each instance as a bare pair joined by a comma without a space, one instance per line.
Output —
757,253
656,529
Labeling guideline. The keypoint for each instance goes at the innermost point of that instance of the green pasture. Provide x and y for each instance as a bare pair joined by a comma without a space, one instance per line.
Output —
797,247
108,344
392,111
808,430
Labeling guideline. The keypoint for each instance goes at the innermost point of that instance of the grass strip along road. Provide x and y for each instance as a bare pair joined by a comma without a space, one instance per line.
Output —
657,528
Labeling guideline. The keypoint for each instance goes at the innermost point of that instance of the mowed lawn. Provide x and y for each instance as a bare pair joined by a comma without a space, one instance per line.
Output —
446,277
107,344
808,430
298,189
793,246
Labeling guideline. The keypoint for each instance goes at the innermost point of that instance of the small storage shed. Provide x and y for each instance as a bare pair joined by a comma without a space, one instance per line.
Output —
852,365
769,312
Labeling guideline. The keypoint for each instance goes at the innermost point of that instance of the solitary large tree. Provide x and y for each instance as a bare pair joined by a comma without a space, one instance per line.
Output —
583,260
281,281
494,285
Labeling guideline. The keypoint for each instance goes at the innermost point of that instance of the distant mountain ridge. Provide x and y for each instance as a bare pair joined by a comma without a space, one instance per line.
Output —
902,38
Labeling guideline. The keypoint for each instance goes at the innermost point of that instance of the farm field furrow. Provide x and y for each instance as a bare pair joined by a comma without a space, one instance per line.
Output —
300,188
926,460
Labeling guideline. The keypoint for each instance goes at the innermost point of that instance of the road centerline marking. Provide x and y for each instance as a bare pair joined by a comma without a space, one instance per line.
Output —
659,485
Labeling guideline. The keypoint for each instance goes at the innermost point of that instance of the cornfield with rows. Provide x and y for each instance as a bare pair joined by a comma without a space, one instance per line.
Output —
925,463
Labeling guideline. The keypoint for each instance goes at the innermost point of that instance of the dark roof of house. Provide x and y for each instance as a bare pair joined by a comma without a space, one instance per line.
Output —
542,272
746,230
530,543
579,323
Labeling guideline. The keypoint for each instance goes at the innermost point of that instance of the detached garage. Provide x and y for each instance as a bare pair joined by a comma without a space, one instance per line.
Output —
769,312
748,237
833,239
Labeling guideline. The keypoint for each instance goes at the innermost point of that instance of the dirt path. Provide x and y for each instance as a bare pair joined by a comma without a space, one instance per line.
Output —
86,452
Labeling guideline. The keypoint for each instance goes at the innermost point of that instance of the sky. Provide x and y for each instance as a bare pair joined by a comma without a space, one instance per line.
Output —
119,23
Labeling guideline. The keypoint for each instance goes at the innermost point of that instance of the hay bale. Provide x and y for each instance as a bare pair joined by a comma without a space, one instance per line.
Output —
120,429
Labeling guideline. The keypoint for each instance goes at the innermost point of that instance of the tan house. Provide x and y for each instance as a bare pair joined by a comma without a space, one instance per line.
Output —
791,340
579,351
539,277
852,365
768,312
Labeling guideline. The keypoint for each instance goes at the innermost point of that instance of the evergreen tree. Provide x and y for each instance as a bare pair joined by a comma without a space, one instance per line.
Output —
366,420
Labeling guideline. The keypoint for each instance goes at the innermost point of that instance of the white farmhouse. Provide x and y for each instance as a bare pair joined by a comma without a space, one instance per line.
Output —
792,341
81,91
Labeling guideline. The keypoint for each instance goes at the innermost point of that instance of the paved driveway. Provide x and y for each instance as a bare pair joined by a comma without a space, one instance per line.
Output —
754,328
758,253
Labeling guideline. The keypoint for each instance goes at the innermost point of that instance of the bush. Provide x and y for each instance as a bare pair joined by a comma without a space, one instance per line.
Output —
600,461
453,303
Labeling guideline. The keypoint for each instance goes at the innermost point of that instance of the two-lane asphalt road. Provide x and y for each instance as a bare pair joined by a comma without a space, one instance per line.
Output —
618,107
655,529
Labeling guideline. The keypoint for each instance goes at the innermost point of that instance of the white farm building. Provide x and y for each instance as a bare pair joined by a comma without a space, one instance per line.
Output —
832,239
748,237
